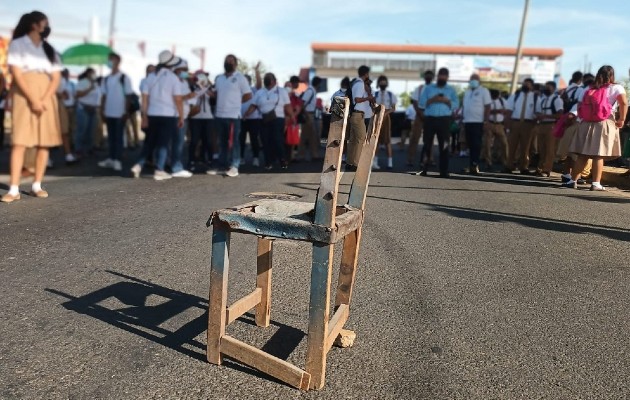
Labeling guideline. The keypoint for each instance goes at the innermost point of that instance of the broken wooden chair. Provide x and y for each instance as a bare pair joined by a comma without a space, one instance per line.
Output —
323,224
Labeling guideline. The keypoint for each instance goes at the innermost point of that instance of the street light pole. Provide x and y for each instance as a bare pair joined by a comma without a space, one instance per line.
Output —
519,49
112,24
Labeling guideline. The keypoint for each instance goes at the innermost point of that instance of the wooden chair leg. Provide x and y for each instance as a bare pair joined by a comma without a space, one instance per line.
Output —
263,281
348,269
319,309
217,301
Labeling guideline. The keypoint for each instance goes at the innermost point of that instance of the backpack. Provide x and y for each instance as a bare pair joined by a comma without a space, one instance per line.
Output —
349,94
553,105
391,97
133,100
570,99
595,106
301,117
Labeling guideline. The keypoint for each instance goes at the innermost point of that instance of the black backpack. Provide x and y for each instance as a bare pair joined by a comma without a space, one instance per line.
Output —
553,106
349,94
133,100
570,98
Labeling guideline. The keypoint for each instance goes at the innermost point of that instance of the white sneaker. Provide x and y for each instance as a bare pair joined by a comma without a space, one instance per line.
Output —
256,162
117,166
232,172
108,163
375,167
70,158
212,172
50,163
136,170
161,176
182,174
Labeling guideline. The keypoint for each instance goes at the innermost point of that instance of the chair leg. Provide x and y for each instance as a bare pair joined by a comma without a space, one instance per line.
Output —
348,270
263,281
217,301
319,309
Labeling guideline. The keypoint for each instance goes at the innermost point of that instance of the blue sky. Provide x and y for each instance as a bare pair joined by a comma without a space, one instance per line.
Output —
280,32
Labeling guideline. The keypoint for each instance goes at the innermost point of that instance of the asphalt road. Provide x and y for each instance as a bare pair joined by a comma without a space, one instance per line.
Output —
497,287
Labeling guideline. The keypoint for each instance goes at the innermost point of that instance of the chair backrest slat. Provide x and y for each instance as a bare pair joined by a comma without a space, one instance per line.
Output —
361,181
326,202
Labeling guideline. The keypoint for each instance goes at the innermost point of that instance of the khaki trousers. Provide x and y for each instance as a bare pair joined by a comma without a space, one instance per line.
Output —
546,146
357,136
520,139
494,134
308,137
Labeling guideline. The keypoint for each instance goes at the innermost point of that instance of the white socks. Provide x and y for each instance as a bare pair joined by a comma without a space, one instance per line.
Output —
597,184
390,162
14,190
37,187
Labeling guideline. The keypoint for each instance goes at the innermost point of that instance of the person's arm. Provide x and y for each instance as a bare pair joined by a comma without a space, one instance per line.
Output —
245,89
18,78
559,104
179,103
83,93
453,102
486,113
250,110
288,111
622,100
258,77
143,110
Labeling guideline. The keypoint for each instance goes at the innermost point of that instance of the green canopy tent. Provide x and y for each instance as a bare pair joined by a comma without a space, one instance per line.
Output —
86,54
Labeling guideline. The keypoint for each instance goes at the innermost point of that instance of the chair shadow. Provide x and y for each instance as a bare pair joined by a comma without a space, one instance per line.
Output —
144,320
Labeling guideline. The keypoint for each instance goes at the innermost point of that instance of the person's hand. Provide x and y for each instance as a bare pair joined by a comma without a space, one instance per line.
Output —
257,66
371,98
180,122
620,123
144,122
37,107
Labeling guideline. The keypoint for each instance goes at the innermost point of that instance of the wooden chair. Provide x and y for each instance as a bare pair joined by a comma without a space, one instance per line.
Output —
324,224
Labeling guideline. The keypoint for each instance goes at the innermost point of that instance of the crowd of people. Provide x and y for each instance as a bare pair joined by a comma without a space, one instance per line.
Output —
578,125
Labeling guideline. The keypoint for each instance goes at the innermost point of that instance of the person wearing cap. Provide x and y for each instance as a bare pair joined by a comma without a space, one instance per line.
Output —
116,89
177,141
162,112
200,122
437,103
475,113
232,90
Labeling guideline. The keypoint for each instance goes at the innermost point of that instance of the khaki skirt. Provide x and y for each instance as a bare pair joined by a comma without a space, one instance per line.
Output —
597,139
33,130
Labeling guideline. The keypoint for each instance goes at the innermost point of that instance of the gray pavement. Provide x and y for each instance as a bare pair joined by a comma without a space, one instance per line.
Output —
497,287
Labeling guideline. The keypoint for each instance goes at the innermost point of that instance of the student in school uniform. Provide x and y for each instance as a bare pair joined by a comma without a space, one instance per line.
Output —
35,68
475,113
494,132
359,119
549,109
388,100
308,137
179,136
200,123
116,89
418,123
88,96
66,98
520,119
251,125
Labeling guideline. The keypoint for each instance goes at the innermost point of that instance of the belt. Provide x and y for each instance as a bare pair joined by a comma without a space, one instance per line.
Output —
519,120
358,112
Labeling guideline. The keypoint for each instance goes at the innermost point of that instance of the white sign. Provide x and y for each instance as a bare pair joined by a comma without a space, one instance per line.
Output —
460,67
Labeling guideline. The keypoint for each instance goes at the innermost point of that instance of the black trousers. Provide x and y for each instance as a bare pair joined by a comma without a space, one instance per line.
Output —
474,136
254,127
200,131
440,127
1,128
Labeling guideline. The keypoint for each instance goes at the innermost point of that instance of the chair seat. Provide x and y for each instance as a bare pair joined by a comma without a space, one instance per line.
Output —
287,220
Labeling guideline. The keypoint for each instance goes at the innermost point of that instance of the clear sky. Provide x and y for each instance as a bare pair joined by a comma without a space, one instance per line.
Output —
279,32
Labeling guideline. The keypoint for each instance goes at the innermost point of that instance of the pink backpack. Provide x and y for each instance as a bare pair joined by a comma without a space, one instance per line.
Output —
595,106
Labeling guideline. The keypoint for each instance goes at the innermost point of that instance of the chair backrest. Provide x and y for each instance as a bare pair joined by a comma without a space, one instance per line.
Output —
326,201
358,190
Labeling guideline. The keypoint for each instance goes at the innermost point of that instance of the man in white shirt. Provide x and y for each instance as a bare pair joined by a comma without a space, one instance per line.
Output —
361,106
521,122
308,137
572,93
116,89
388,100
417,126
178,139
494,132
232,90
476,110
549,109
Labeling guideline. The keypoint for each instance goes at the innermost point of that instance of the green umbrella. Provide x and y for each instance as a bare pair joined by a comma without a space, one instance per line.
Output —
86,54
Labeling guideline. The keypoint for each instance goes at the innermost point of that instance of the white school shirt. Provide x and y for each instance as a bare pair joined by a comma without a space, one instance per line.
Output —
410,113
93,97
202,99
67,86
338,93
24,54
185,92
116,94
516,106
272,99
547,103
497,104
309,97
386,98
256,114
417,92
613,92
358,90
161,88
230,91
475,101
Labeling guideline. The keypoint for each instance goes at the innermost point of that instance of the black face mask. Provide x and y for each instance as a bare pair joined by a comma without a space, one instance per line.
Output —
267,82
428,80
45,33
383,87
547,92
525,89
228,67
441,82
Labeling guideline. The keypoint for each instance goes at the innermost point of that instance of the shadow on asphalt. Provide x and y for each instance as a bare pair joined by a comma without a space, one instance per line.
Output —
145,320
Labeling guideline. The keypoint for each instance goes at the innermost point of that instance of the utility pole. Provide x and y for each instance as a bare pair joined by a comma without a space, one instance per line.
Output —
519,49
112,24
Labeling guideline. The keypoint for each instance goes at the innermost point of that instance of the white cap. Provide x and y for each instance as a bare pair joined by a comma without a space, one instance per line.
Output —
167,59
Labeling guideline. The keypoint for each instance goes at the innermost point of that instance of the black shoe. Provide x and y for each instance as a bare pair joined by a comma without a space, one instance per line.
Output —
570,185
445,175
351,168
565,179
474,170
525,172
423,172
581,181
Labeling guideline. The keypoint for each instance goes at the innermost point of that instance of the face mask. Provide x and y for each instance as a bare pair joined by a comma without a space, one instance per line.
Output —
547,92
228,67
525,89
110,64
383,87
45,33
474,84
267,82
184,75
441,82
